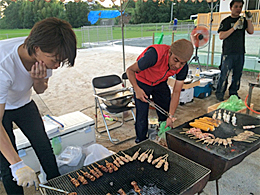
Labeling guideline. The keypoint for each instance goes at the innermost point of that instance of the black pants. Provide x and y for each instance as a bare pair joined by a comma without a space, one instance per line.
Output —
161,96
28,119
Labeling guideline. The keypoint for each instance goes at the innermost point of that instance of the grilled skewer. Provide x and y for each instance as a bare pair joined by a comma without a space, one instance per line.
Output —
74,181
93,172
97,170
139,158
103,168
136,187
115,162
87,175
136,154
158,159
121,191
82,179
145,156
150,158
123,158
166,165
160,163
127,156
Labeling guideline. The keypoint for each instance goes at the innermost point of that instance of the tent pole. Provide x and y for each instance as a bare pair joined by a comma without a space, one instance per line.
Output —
122,29
210,29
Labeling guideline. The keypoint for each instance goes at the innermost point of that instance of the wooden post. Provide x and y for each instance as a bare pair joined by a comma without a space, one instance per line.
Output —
153,38
172,36
212,50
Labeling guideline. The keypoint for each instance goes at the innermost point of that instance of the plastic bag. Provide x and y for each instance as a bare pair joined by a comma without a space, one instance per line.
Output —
233,104
162,130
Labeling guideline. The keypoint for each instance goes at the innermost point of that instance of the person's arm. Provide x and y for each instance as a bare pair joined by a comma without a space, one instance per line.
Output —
174,102
23,174
250,27
6,146
38,73
223,34
130,71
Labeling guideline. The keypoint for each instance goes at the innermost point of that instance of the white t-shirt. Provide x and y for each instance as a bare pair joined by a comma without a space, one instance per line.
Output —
15,80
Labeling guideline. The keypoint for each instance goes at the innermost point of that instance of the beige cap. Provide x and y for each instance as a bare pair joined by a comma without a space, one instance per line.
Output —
183,49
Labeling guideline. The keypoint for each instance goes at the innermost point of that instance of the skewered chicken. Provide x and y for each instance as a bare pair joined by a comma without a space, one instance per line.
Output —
136,154
74,181
229,141
127,156
116,162
228,117
136,187
93,172
82,179
225,143
121,191
234,120
219,115
160,163
225,116
150,158
145,156
73,193
166,165
139,158
216,140
87,175
103,168
97,170
123,158
214,116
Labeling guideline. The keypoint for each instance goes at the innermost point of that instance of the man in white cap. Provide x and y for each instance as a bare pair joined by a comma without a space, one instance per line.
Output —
149,75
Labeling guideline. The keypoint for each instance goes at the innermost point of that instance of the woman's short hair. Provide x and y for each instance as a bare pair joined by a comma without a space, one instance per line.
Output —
53,35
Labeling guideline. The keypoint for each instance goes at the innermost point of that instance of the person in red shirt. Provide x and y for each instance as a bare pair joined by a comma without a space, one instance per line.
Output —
149,75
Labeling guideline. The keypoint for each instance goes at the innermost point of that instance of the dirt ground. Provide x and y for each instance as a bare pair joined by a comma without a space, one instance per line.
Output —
70,90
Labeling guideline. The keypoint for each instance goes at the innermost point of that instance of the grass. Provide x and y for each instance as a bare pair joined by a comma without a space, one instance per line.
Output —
129,32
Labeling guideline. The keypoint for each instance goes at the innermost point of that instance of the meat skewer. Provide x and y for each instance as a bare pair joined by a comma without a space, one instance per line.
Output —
82,179
136,187
136,154
115,162
121,191
119,160
216,140
229,141
123,158
225,143
160,163
166,165
150,158
139,158
127,156
145,156
111,166
220,141
97,170
251,127
103,168
87,175
74,181
93,172
158,159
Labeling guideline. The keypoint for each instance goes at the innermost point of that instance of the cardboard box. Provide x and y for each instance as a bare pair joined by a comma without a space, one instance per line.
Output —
215,107
171,83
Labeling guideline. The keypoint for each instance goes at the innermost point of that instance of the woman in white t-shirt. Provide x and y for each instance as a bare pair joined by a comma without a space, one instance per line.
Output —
27,63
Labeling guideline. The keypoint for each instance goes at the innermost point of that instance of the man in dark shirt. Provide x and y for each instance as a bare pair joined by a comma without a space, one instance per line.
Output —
232,32
149,75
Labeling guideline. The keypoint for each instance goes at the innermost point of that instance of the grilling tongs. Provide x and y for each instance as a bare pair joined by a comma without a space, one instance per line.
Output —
161,110
54,189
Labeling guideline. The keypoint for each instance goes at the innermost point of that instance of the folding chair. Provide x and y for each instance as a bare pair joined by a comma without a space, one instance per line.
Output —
104,85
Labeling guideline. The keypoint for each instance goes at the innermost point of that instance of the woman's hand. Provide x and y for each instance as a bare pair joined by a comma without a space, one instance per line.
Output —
38,70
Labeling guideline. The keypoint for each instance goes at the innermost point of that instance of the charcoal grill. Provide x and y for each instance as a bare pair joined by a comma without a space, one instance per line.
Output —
183,177
217,158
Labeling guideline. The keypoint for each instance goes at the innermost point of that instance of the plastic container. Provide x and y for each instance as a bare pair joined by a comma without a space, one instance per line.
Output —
202,92
70,156
197,73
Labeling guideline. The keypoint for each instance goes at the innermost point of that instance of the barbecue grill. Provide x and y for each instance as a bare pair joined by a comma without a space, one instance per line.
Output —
183,177
217,158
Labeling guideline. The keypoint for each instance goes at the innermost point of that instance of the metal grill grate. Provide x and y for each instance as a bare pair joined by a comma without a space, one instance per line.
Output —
182,175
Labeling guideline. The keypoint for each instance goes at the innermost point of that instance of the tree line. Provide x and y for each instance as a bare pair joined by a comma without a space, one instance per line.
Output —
24,14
